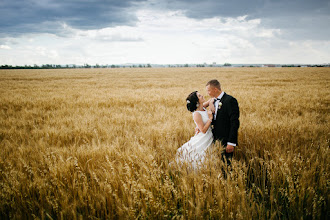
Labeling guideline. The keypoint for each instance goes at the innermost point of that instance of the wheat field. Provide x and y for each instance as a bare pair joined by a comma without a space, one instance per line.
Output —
97,143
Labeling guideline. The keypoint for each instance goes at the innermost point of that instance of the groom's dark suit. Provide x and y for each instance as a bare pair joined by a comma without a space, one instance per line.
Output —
226,124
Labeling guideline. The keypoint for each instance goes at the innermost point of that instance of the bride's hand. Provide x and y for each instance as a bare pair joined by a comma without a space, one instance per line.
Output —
211,107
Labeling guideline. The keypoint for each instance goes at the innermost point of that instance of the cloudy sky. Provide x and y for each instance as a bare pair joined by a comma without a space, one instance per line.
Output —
164,31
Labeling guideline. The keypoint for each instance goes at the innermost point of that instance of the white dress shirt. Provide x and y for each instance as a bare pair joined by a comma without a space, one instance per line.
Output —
216,105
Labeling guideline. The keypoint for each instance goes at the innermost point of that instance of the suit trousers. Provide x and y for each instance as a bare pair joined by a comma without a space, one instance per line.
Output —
225,157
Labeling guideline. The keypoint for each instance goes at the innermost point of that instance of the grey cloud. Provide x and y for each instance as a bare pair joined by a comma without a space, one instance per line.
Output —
307,27
29,16
251,8
212,8
298,19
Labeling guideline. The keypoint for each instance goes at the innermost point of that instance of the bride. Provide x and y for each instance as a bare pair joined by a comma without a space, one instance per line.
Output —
195,149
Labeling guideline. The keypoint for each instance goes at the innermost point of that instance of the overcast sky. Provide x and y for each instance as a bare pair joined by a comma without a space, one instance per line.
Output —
164,31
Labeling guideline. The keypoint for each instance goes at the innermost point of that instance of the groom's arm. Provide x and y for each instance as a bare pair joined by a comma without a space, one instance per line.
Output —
233,112
234,120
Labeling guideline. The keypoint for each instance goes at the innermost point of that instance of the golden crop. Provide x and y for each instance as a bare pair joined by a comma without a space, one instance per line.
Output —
97,143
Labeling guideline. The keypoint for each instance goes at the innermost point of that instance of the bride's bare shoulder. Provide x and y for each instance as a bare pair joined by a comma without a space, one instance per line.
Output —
196,115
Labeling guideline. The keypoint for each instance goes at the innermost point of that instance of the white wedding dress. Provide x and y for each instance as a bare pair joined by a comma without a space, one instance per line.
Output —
194,150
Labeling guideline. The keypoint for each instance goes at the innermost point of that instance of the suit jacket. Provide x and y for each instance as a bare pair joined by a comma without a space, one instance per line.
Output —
225,127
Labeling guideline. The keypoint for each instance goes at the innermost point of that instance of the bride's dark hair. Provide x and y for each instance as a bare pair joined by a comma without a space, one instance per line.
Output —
192,101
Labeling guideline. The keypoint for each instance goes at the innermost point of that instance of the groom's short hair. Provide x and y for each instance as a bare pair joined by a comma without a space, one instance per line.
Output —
215,83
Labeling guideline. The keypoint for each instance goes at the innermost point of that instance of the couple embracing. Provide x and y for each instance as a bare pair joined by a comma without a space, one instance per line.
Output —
219,123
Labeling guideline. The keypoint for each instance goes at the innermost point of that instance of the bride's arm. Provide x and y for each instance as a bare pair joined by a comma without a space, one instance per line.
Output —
209,103
199,121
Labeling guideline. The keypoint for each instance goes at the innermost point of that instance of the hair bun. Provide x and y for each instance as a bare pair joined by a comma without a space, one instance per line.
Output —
192,101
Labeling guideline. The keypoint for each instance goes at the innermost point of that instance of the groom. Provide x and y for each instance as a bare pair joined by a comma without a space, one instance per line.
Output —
225,121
